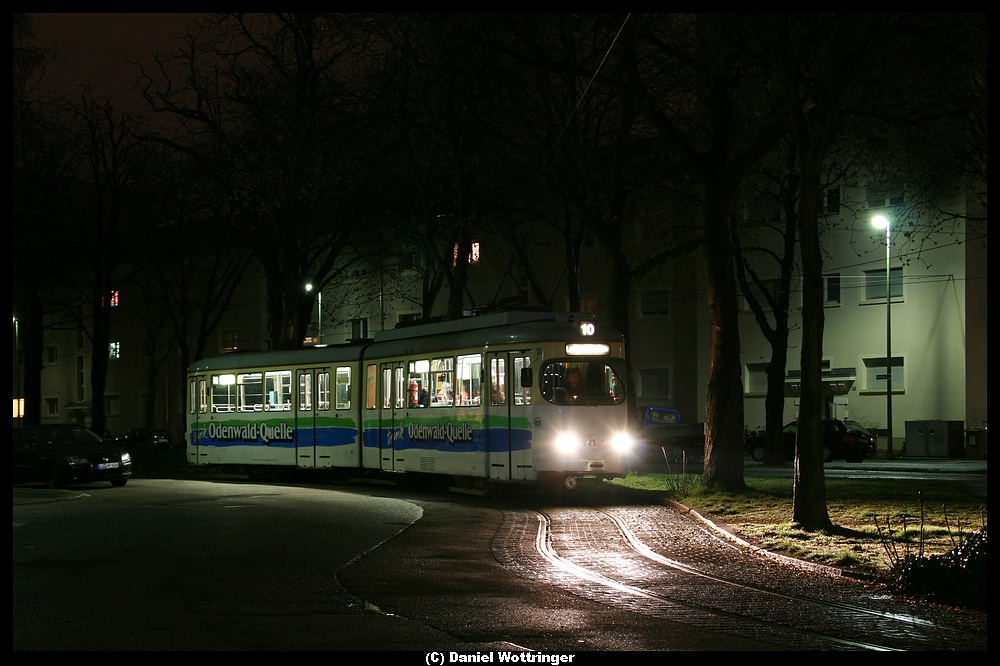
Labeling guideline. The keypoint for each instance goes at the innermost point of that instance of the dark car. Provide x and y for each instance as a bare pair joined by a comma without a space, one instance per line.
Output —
849,441
136,438
66,453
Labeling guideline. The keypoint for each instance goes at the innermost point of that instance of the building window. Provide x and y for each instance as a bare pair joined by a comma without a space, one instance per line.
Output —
653,303
359,329
115,349
51,355
409,261
831,201
654,383
52,407
81,383
755,379
228,340
112,404
875,374
831,289
588,305
408,317
875,284
761,293
884,195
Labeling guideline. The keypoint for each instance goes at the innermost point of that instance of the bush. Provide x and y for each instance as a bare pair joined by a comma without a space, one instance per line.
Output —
958,577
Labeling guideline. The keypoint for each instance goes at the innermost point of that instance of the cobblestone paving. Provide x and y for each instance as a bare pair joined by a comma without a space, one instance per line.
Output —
588,538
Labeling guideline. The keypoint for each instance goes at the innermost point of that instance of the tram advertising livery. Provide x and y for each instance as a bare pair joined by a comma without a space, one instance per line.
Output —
507,397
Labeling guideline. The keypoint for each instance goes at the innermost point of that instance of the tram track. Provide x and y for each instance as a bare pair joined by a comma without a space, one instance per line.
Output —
597,553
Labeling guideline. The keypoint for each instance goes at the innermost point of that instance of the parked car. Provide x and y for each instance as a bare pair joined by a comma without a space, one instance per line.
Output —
847,440
66,453
136,438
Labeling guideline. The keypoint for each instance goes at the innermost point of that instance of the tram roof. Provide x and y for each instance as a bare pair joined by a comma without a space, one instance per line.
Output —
491,329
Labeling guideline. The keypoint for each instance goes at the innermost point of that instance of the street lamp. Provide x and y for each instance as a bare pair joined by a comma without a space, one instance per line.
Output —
880,222
319,315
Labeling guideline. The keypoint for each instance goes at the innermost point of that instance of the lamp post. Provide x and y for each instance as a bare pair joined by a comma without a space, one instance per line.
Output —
880,222
319,315
18,398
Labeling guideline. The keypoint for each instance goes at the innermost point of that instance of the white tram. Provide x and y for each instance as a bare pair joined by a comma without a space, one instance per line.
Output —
508,397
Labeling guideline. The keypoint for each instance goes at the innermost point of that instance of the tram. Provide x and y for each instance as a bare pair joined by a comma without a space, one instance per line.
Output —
514,397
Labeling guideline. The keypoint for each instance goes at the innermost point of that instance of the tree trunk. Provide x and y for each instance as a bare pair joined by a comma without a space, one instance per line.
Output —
724,401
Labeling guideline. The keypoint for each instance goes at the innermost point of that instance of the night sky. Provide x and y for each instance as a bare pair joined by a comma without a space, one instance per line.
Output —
88,45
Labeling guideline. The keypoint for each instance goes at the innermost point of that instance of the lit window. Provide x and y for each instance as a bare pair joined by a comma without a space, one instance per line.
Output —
473,254
115,350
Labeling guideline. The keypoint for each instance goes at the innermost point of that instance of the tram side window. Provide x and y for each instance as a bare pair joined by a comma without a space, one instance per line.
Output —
223,393
278,389
442,378
468,388
344,387
193,398
498,375
305,392
370,377
323,391
522,394
386,387
250,392
202,396
418,384
398,387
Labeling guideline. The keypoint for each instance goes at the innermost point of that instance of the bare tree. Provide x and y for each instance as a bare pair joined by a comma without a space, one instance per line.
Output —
275,107
700,79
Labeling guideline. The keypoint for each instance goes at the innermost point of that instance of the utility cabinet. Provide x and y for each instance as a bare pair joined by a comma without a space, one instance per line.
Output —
935,439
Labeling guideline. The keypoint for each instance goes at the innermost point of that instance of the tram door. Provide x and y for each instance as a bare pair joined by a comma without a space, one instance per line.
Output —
198,414
305,418
392,399
508,417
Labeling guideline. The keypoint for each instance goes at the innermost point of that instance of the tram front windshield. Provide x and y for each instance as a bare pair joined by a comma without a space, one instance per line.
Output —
582,383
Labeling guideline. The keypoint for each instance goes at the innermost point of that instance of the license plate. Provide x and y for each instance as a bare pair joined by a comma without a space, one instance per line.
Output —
108,465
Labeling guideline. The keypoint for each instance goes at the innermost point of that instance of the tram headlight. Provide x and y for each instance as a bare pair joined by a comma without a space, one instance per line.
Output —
567,442
622,442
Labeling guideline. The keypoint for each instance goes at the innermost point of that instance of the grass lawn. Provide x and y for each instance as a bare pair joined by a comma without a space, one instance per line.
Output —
877,523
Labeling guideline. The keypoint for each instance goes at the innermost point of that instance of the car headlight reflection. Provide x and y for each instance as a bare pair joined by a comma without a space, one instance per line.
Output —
126,457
